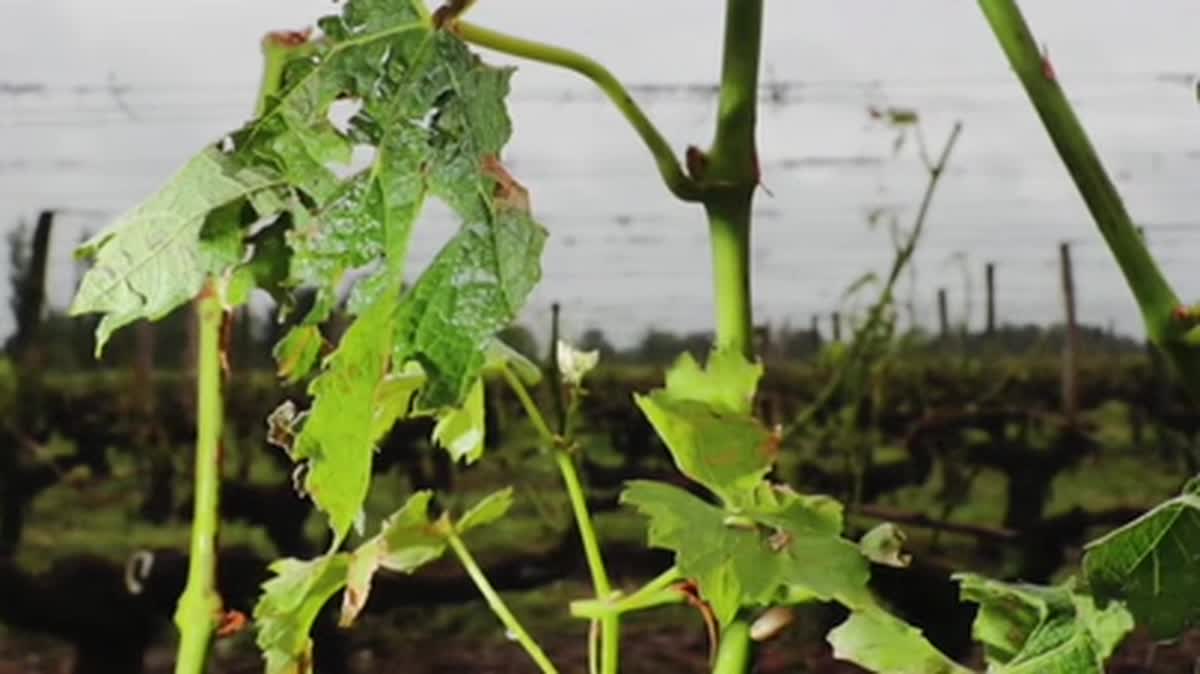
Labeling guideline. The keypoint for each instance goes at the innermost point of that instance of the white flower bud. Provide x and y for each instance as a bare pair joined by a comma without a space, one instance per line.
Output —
573,364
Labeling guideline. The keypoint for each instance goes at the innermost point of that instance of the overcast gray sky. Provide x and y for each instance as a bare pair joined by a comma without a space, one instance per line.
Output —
622,252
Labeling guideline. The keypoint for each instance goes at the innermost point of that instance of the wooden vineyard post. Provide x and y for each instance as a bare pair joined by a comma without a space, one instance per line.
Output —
990,284
143,379
837,326
1070,365
943,314
29,305
762,342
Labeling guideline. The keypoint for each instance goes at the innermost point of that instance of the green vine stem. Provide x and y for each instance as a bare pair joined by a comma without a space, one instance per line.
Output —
735,653
591,545
1154,295
610,625
733,159
729,236
199,611
496,603
732,166
680,184
725,182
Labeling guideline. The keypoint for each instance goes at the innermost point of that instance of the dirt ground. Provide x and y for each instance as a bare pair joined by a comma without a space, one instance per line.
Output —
645,650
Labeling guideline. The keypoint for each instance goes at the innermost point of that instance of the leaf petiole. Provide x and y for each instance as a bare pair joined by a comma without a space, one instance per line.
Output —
548,437
610,624
496,603
678,182
657,592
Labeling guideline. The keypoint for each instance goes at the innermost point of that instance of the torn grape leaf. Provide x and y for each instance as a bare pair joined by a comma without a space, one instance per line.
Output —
1026,629
406,541
436,116
434,119
1153,565
157,256
297,352
472,289
409,539
338,436
393,398
288,606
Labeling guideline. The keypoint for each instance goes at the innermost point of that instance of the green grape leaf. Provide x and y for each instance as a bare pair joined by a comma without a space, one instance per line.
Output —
158,255
779,544
727,383
406,542
339,433
727,453
1031,628
480,280
297,352
473,288
354,230
880,642
489,509
1151,564
382,56
703,417
288,606
460,430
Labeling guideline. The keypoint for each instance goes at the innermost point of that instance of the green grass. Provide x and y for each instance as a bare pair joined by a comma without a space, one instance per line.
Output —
88,515
1116,481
